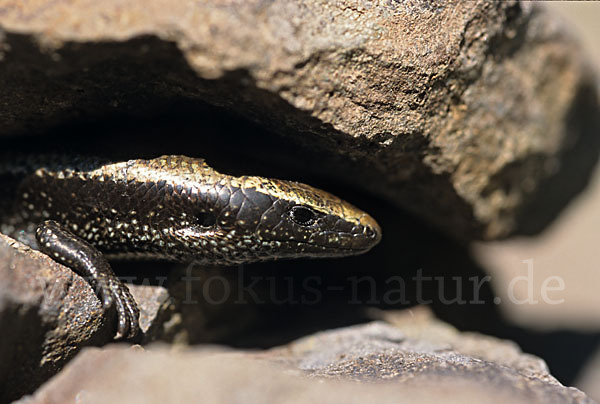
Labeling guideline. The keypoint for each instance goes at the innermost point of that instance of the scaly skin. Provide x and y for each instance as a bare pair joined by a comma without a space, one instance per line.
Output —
82,211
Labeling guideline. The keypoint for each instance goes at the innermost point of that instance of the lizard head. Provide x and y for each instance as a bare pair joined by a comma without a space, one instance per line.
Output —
254,219
301,221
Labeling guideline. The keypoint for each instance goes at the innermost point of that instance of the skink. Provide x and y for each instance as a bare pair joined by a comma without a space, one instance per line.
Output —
83,211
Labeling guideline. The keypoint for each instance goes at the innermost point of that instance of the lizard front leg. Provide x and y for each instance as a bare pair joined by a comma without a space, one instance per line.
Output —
83,258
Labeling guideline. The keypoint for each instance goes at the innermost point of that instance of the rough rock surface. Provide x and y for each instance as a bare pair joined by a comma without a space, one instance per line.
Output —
392,365
48,313
457,111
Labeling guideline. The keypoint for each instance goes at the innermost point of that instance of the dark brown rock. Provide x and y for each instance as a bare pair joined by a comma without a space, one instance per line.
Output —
466,113
156,310
48,313
393,365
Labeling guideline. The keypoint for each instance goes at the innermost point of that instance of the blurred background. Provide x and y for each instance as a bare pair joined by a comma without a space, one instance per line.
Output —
569,249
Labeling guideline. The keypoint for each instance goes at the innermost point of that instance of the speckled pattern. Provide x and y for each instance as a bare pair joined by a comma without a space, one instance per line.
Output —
171,207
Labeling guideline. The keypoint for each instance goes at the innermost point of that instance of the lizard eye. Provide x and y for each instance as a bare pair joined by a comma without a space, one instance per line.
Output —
302,215
206,219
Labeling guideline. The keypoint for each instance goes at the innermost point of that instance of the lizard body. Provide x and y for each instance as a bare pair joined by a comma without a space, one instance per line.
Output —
84,211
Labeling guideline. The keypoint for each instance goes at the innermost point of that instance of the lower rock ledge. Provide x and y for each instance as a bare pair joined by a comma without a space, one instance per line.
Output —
404,360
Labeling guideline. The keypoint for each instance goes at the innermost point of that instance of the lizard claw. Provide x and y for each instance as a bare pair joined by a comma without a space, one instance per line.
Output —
127,311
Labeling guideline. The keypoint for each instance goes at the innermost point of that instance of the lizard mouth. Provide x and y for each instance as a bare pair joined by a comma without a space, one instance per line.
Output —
344,250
